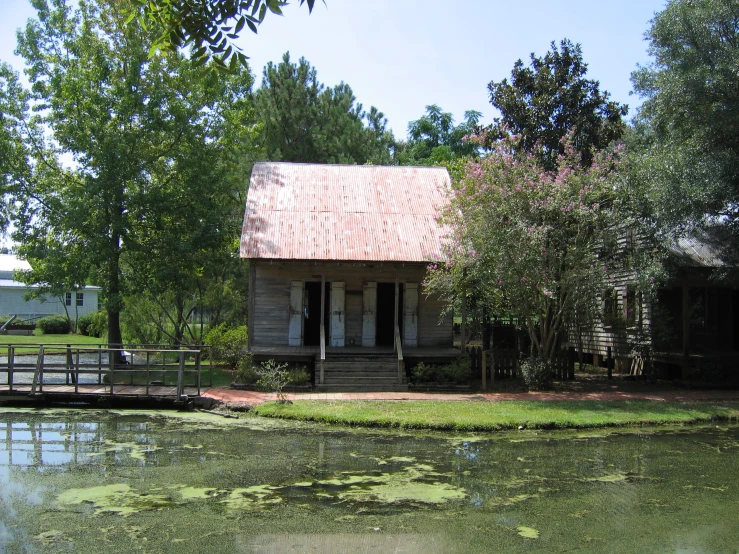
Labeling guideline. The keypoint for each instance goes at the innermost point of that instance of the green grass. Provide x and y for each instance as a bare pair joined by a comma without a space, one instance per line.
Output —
20,340
494,416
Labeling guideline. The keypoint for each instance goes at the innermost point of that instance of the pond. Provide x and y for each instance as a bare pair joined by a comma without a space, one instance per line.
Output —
123,481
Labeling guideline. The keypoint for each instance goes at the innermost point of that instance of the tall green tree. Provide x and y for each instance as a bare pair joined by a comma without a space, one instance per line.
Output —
150,163
551,97
435,139
686,134
208,26
305,121
536,243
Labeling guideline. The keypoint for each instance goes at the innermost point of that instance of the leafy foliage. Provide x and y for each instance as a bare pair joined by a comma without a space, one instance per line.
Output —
534,242
435,139
552,97
536,373
228,343
210,26
53,325
148,205
458,371
274,377
687,131
304,121
93,324
298,376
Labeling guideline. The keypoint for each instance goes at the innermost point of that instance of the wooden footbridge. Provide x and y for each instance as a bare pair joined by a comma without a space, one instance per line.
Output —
70,373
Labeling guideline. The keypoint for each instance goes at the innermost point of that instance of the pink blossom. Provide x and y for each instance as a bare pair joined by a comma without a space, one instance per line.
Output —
473,253
547,293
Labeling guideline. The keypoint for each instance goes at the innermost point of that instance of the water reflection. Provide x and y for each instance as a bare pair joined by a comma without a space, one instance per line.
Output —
199,478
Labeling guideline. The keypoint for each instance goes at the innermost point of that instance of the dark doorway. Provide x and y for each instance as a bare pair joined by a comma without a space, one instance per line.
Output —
386,313
312,313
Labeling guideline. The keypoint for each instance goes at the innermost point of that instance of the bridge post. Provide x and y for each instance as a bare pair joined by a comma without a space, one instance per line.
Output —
181,376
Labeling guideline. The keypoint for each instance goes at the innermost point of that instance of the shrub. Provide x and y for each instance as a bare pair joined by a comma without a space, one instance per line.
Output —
53,325
273,377
94,324
83,324
246,373
298,376
457,371
228,343
536,373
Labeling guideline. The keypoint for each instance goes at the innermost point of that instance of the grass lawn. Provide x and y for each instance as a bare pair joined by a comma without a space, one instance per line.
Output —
494,416
19,340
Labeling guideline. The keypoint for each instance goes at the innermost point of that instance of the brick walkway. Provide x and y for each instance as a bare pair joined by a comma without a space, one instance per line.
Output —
253,398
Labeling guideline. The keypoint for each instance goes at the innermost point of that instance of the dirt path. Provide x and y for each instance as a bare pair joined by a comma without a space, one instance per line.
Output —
584,388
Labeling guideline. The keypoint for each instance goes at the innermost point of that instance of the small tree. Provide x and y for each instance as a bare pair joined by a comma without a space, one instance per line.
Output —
274,377
538,242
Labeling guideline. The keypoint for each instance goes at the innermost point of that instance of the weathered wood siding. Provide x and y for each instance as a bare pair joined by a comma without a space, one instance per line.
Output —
271,298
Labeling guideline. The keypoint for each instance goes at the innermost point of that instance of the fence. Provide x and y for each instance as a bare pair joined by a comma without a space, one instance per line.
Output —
503,363
71,369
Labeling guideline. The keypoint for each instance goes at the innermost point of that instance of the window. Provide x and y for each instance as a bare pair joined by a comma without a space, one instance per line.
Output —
68,299
633,307
610,307
80,299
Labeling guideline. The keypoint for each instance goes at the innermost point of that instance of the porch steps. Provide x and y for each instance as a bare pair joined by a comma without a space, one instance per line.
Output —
360,373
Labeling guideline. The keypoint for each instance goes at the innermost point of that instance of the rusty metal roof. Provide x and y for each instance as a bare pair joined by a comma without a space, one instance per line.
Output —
344,212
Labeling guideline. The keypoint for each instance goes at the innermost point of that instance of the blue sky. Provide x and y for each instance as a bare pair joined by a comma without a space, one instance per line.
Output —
401,55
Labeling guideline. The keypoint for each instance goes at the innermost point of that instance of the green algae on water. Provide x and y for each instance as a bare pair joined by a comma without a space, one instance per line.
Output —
118,498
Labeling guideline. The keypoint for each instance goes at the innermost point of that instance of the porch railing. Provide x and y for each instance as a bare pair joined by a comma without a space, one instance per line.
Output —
399,350
323,350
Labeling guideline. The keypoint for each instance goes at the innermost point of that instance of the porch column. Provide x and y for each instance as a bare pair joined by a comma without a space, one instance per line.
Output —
397,297
322,326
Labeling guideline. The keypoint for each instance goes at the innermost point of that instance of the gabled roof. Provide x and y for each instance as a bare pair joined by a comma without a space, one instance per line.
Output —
344,212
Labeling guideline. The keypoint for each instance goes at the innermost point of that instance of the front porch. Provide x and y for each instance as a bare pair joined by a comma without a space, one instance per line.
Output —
357,368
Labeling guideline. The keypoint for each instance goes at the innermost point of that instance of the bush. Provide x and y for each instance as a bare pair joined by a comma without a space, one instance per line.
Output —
94,324
246,373
298,376
536,374
228,343
273,377
53,325
456,372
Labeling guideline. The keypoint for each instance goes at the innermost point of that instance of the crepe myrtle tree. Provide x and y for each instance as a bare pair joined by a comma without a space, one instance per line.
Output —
538,243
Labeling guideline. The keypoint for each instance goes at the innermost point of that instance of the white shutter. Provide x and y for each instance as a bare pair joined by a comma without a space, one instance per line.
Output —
338,317
369,314
410,315
295,328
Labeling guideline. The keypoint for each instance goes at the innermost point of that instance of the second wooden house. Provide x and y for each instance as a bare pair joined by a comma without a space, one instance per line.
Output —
338,255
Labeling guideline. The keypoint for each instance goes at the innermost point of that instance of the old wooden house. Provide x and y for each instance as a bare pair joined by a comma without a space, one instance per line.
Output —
692,329
337,258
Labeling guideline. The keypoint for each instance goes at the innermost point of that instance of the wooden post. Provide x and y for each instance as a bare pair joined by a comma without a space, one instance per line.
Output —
70,366
11,365
77,378
148,379
463,324
397,298
571,363
38,376
492,367
323,326
609,362
181,376
484,370
197,367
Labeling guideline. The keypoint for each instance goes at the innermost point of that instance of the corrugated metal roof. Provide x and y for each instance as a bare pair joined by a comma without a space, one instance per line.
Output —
344,212
698,249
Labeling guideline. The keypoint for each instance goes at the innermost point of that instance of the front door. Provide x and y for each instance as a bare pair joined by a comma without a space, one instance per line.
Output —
295,326
369,314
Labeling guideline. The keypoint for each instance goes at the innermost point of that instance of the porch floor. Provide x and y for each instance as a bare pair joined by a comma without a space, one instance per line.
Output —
297,351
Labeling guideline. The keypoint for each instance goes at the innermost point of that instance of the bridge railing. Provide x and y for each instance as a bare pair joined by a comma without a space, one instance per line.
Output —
103,366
